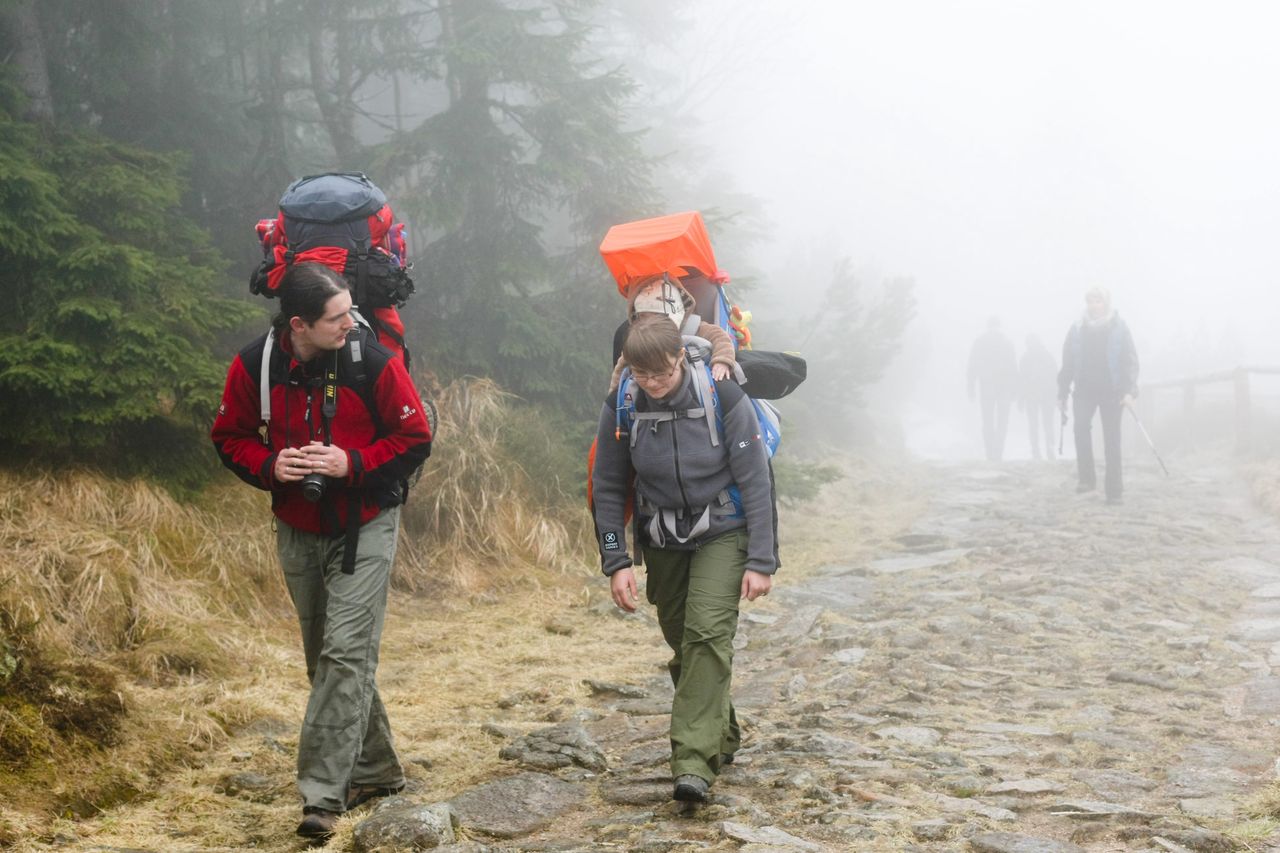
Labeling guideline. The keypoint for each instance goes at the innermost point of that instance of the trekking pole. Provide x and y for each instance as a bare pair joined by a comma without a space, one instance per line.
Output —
1062,429
1146,436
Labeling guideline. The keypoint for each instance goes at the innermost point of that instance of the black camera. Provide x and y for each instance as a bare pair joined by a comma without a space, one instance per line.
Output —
313,486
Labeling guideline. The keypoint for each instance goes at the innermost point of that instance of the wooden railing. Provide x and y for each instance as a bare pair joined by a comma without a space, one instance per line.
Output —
1239,377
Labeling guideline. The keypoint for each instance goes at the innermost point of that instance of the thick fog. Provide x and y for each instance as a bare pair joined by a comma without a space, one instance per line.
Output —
1008,155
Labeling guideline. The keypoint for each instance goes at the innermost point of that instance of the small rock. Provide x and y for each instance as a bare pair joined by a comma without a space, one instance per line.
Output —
500,731
1012,842
1027,786
1095,808
516,805
848,656
931,830
250,786
555,747
1217,808
400,824
768,835
911,735
1200,839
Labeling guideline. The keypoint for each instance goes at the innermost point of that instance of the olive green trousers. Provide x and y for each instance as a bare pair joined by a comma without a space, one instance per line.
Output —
346,738
696,594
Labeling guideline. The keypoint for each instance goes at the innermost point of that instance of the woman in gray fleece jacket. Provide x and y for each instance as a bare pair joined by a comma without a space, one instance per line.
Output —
704,510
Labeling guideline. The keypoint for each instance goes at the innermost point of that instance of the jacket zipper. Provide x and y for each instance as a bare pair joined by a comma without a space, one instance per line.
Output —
675,444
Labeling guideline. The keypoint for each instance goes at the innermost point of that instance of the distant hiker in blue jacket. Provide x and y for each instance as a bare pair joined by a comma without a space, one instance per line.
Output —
1100,360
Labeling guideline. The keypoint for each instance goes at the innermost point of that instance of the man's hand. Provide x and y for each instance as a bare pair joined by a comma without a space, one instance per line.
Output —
291,465
1062,405
755,584
622,584
1127,401
326,459
719,371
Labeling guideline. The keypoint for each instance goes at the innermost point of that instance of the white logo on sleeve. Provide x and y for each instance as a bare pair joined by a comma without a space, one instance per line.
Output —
407,412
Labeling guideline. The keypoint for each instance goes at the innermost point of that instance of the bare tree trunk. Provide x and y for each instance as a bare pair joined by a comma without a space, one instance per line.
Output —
333,98
271,163
28,58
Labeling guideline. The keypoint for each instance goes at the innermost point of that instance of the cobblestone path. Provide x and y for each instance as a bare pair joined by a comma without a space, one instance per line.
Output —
1023,670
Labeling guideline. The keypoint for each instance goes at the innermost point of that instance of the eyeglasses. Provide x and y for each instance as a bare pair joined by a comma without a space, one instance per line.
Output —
642,376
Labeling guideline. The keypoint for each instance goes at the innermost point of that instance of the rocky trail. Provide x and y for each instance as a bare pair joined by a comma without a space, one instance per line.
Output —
1030,671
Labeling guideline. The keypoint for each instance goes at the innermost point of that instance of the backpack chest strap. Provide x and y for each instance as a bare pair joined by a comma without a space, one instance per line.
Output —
656,418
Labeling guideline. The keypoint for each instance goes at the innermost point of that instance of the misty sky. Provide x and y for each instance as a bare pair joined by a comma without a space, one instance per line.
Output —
1009,154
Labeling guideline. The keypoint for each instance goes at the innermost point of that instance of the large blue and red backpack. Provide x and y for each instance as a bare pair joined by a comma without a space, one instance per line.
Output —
341,220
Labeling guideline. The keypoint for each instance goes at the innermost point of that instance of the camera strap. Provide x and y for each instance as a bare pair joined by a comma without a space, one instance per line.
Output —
329,411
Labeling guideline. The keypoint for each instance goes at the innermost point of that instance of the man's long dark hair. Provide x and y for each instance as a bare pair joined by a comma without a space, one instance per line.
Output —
304,291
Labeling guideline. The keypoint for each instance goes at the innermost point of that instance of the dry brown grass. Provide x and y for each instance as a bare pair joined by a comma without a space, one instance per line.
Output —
148,633
473,511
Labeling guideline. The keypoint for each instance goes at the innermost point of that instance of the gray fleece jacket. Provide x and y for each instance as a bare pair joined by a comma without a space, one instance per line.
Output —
678,470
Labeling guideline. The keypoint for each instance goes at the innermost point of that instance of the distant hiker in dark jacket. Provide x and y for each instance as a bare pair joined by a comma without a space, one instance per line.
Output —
336,537
1037,382
993,375
705,521
1099,358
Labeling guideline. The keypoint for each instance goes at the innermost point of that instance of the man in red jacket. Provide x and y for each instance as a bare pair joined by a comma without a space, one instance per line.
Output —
345,428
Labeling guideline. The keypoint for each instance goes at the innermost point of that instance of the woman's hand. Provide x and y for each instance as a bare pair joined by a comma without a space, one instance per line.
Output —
755,584
622,584
719,371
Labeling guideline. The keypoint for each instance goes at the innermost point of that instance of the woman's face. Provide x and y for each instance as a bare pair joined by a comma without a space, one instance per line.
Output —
663,382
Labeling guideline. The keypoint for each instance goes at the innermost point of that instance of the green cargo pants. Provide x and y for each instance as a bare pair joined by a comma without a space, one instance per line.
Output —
696,594
346,738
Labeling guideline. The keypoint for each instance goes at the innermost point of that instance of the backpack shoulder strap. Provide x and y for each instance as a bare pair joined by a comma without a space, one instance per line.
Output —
264,377
706,390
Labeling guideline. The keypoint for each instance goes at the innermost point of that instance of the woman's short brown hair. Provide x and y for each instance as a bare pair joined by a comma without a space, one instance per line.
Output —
652,341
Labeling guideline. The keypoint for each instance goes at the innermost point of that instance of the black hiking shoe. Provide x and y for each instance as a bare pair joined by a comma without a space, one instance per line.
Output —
317,823
691,789
726,758
358,795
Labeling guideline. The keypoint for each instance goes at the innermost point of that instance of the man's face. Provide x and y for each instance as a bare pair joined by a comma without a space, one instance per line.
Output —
330,331
1096,306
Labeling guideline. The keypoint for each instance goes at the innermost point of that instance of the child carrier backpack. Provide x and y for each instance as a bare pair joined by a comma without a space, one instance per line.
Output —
341,220
678,246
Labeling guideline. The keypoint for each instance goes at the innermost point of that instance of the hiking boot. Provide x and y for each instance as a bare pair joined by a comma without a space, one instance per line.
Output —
317,822
691,789
726,758
1115,500
1084,487
358,795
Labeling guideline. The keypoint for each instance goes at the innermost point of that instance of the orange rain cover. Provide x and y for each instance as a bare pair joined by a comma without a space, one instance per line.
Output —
674,244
